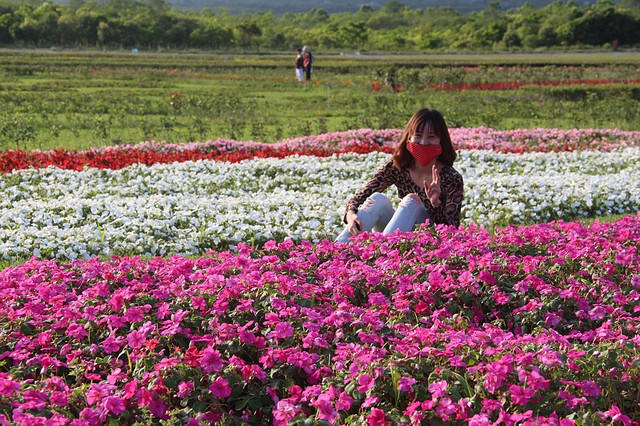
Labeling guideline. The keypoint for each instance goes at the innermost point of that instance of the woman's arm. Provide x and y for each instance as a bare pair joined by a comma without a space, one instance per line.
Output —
382,180
453,188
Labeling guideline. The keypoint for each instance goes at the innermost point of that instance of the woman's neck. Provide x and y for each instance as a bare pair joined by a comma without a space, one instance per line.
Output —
423,169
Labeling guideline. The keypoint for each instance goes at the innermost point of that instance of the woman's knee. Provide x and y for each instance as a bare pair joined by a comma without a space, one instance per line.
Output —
410,198
376,198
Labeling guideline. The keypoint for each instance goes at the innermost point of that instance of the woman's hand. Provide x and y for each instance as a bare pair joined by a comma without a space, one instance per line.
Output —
354,225
433,191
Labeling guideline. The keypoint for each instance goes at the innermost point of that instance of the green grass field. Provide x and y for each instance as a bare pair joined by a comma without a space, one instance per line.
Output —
82,99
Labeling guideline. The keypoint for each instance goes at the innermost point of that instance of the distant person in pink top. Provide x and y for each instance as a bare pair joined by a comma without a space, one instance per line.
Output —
307,62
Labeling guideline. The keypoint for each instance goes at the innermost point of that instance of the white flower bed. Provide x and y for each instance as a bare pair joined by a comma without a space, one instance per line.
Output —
188,208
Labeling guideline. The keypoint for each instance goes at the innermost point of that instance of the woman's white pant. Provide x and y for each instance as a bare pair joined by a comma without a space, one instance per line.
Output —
377,214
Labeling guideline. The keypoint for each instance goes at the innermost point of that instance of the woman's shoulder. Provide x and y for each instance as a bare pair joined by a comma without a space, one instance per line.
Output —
390,166
450,172
389,169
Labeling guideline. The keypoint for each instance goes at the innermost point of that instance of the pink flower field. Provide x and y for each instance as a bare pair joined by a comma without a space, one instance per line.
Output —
533,325
529,325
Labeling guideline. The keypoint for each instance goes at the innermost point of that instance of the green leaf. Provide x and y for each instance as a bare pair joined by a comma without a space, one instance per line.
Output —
200,407
27,329
255,403
242,402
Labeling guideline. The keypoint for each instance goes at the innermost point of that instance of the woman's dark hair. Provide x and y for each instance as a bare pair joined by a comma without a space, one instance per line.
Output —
401,155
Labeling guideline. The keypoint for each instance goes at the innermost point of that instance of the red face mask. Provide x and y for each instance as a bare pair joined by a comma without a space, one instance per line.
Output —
424,154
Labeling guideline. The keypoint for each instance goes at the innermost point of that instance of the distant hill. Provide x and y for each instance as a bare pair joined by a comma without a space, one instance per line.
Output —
237,7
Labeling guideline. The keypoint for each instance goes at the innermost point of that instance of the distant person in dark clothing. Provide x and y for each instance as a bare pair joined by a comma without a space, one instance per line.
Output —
299,65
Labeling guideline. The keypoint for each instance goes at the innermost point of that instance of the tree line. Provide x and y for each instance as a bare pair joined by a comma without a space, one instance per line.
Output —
280,7
154,24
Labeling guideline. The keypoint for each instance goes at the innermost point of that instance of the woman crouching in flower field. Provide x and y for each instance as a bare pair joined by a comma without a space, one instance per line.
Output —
422,170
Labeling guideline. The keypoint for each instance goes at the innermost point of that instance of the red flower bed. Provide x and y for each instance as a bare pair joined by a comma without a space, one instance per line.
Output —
511,85
119,158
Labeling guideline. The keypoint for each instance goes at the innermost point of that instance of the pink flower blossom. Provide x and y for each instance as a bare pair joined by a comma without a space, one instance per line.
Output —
33,400
295,390
115,376
536,381
552,319
158,409
77,331
616,415
110,345
378,299
91,416
365,383
370,400
486,277
282,330
344,402
480,420
113,404
446,407
184,388
8,387
136,339
284,412
98,391
490,405
414,412
245,335
571,401
325,408
220,388
405,383
549,358
438,389
377,418
428,404
525,359
520,395
58,398
590,388
144,397
210,360
130,389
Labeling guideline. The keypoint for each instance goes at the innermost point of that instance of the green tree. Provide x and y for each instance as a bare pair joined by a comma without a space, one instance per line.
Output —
631,6
212,36
602,24
395,27
392,6
178,29
66,30
246,31
105,34
85,25
47,16
547,35
511,38
6,22
554,18
353,34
